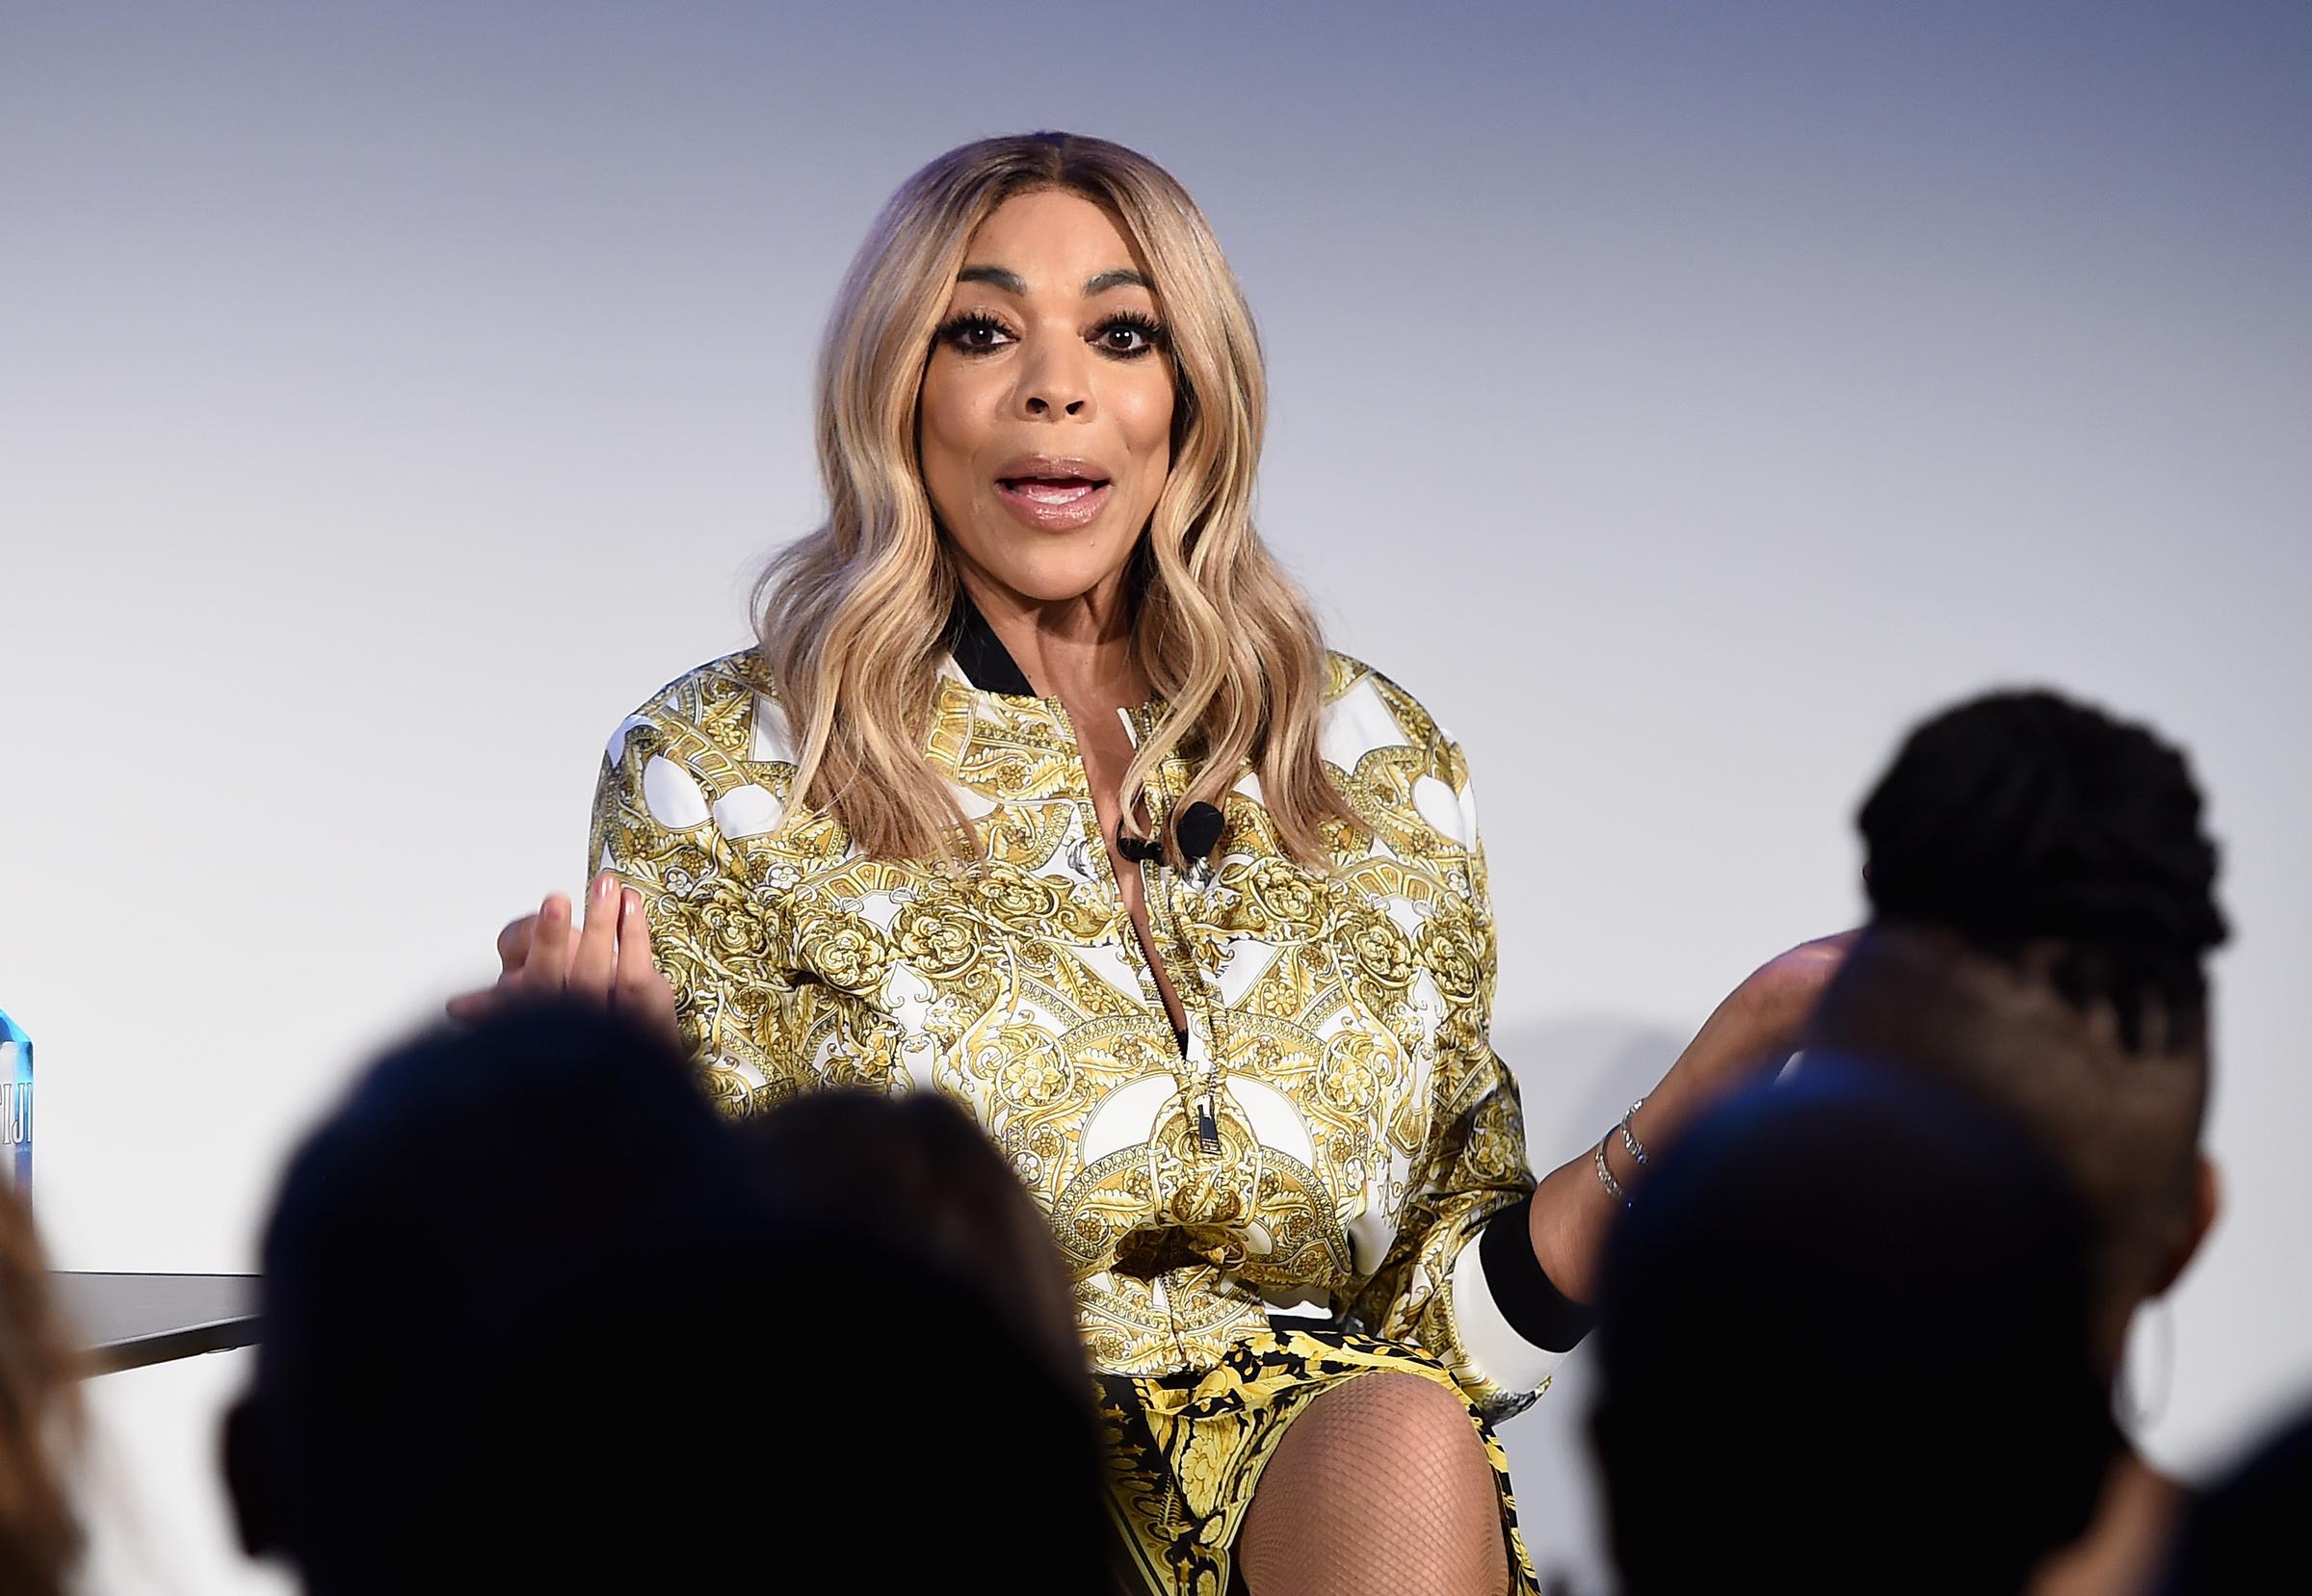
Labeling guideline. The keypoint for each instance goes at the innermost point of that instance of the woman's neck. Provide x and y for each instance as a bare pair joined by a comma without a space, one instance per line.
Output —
1078,650
2123,1547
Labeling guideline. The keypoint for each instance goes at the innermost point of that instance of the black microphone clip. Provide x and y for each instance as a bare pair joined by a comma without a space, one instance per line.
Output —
1197,831
1141,851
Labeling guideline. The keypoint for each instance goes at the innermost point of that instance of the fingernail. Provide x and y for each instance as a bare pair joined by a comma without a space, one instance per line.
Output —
633,902
604,885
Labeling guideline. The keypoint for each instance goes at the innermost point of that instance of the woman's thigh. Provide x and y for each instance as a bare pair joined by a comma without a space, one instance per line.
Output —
1381,1485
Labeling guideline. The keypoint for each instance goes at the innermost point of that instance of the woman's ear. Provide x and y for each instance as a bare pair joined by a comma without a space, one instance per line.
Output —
2207,1205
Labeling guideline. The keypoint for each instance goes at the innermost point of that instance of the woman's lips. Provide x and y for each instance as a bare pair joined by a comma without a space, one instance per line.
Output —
1052,504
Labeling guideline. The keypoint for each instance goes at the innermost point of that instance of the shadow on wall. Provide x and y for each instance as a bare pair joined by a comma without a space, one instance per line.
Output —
1577,1074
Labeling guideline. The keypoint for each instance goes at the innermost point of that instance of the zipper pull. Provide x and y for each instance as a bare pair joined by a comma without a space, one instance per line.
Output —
1208,1124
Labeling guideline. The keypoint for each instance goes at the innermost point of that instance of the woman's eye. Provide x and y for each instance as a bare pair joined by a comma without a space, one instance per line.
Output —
1126,338
976,334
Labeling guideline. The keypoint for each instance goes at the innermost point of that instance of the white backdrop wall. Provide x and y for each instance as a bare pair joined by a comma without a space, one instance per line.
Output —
1681,400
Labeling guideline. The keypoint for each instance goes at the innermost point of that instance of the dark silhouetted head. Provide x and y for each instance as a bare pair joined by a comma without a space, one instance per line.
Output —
915,1171
531,1321
2023,820
918,1166
2043,902
507,1283
1842,1345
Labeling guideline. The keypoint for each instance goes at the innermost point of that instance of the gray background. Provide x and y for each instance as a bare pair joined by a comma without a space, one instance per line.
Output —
1680,399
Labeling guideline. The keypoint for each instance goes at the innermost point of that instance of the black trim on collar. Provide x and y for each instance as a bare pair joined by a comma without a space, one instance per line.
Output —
980,655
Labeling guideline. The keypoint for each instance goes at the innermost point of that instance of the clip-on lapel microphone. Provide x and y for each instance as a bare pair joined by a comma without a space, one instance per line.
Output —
1198,829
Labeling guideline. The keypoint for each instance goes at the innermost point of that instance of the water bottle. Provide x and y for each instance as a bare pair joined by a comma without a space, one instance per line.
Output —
16,1106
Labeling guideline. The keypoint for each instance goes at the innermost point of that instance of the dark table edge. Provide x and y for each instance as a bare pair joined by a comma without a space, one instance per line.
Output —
215,1334
220,1335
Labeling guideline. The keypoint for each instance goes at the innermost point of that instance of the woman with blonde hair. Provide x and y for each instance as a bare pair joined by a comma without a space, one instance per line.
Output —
1040,791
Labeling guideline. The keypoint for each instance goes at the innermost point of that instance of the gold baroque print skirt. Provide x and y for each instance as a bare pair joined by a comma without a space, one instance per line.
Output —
1183,1452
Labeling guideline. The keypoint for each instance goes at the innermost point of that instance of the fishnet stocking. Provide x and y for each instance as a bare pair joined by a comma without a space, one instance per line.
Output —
1382,1488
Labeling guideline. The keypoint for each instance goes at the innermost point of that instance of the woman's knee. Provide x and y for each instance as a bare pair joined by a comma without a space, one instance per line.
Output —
1381,1485
1396,1442
1425,1443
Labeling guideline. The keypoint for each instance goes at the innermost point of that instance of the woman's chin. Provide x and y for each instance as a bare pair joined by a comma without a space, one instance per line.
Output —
1057,576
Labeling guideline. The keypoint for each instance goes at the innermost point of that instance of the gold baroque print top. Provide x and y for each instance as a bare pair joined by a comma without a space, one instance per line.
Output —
1329,1145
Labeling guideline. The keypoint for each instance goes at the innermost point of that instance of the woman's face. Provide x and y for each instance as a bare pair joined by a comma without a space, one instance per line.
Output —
1046,418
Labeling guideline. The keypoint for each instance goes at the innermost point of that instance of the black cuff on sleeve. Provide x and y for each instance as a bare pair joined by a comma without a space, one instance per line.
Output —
1522,1289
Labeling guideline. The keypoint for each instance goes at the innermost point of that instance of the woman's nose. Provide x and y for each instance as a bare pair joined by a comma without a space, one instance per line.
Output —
1054,382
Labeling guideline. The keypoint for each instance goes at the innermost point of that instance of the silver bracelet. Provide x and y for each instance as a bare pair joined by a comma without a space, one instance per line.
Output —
1612,1186
1629,1138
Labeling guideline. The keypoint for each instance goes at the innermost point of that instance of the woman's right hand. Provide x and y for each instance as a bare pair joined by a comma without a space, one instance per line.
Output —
605,960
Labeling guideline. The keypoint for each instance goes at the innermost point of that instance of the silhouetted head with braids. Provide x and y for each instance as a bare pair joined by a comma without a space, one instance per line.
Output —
2042,892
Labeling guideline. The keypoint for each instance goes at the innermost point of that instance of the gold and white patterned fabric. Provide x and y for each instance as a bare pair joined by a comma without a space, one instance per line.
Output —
1328,1143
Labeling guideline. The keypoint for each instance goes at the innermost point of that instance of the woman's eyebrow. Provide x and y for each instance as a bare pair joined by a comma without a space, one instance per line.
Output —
1011,282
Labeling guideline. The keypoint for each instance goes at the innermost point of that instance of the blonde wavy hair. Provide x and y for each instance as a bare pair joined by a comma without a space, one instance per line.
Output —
854,617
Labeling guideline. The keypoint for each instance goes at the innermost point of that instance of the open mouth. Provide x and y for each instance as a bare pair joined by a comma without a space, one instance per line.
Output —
1057,501
1051,490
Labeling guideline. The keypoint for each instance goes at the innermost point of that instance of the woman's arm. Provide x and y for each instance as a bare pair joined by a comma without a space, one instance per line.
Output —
676,927
1447,1284
1753,1030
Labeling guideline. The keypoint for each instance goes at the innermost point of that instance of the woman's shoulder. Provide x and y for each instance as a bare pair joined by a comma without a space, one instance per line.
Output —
726,710
1363,705
1391,752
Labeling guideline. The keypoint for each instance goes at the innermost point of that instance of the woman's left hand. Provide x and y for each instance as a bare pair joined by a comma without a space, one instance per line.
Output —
1778,997
1755,1030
